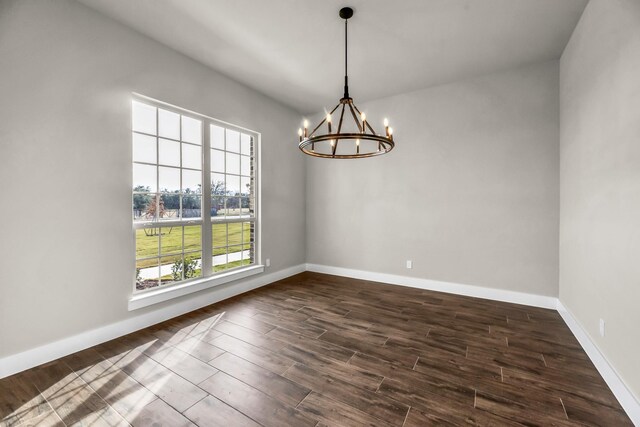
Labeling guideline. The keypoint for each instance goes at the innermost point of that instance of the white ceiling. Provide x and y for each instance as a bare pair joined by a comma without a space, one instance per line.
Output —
292,50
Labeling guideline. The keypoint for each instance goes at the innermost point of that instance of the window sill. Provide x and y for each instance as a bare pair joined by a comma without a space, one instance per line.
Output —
155,296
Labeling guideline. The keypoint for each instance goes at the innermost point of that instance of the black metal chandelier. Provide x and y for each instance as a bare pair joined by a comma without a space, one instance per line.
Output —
354,137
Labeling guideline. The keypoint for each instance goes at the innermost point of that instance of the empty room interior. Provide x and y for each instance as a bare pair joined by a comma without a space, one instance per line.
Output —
320,213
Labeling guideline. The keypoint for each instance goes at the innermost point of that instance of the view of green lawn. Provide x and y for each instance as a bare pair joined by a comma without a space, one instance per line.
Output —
168,278
167,242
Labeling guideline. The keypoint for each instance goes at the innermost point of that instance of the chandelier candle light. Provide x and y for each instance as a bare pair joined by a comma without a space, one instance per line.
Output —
354,137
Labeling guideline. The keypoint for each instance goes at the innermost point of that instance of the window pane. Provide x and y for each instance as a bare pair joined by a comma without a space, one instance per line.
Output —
235,233
245,165
141,206
171,269
151,211
234,256
191,156
167,206
169,179
193,238
147,274
217,137
232,185
191,181
245,206
220,260
147,243
144,178
248,254
245,144
191,130
170,206
245,185
233,141
217,161
191,205
222,211
169,124
144,148
233,163
247,237
217,206
170,240
219,237
144,118
218,186
233,206
169,152
192,266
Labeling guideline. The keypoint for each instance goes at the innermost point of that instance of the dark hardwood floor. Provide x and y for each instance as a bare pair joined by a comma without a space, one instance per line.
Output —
318,350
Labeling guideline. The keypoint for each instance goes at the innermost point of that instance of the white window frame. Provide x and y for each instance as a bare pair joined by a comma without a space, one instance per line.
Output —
144,298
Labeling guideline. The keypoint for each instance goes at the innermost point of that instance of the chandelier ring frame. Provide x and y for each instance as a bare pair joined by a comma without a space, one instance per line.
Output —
385,143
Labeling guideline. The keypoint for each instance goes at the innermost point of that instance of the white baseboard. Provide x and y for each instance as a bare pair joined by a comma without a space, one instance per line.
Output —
434,285
28,359
626,398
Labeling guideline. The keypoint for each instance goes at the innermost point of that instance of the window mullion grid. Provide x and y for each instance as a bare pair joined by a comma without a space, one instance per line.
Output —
207,239
157,196
226,190
226,201
180,192
180,199
253,200
241,230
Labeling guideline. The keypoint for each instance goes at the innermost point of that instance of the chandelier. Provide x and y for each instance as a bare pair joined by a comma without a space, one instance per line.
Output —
353,138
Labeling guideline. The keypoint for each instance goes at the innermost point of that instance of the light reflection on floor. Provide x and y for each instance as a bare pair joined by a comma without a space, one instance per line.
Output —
122,388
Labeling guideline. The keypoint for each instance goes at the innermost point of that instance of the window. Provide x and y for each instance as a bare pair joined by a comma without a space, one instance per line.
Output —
194,198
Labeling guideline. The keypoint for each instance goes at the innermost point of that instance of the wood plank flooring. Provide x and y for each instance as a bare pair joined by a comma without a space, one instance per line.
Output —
319,350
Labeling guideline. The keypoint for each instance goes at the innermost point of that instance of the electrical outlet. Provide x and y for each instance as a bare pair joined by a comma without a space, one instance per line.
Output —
267,262
409,263
602,327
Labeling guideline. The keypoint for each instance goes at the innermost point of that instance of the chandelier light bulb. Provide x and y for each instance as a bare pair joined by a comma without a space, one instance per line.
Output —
386,122
299,131
306,123
363,116
390,131
329,118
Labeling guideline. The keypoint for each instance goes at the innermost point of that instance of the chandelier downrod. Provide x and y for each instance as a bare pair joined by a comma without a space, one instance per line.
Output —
346,13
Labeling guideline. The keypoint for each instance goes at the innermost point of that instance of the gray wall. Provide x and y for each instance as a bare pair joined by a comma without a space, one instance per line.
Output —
470,193
66,242
600,180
